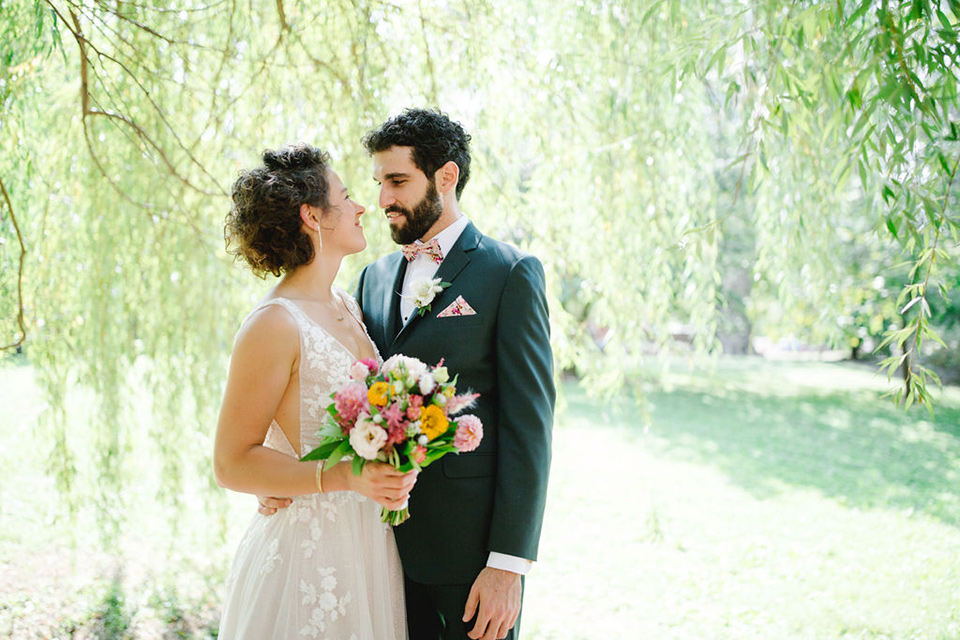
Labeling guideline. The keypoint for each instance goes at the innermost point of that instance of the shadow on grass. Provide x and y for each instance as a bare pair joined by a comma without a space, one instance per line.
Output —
853,445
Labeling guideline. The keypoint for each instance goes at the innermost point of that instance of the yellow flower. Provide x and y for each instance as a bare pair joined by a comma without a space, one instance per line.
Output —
449,391
432,422
377,395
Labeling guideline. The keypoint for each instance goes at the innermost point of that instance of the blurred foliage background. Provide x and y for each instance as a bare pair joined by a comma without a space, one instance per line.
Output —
698,177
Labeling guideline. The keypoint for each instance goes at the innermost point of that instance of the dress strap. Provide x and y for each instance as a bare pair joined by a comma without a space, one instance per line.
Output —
350,303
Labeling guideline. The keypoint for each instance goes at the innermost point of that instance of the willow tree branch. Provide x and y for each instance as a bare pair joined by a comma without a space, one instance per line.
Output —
23,255
283,17
85,47
914,348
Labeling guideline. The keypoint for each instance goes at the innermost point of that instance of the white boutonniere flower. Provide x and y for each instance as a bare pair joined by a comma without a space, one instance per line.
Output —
424,293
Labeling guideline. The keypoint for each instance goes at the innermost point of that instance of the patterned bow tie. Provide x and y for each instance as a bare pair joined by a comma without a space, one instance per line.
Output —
430,249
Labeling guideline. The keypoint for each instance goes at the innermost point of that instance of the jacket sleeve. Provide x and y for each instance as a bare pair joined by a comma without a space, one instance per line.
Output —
525,421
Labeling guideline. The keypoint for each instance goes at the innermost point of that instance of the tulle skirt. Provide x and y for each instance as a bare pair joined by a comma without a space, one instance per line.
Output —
325,567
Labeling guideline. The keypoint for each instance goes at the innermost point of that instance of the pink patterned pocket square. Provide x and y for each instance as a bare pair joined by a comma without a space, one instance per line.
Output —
458,307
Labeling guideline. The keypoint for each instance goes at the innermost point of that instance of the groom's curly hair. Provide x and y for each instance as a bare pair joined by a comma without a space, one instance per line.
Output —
435,140
264,226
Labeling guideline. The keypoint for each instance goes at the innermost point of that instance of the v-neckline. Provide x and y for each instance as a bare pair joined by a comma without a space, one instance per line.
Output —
333,337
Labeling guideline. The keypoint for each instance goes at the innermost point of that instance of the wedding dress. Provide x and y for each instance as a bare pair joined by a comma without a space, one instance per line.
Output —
325,567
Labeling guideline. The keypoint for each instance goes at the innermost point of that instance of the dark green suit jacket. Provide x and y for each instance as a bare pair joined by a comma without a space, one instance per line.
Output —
492,499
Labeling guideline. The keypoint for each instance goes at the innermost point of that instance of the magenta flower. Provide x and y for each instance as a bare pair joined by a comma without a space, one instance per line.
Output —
469,433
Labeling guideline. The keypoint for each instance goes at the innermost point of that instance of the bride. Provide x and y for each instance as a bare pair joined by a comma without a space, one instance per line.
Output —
326,567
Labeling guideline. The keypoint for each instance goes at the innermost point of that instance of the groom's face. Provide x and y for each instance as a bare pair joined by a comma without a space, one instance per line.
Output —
408,197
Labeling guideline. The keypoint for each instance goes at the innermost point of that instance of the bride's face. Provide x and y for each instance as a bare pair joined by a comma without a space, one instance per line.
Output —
340,225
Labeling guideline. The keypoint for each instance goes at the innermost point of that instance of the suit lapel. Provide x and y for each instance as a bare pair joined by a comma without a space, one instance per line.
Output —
392,303
449,269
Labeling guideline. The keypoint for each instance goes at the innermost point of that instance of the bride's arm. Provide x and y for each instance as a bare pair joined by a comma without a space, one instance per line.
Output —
264,358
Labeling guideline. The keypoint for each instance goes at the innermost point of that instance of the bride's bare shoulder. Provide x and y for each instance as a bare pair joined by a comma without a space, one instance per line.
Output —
268,327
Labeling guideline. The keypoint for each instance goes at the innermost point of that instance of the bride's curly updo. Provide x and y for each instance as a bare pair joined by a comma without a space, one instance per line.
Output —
264,226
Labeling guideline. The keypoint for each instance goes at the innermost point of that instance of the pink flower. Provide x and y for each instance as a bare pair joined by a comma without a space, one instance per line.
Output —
469,433
419,454
360,369
396,435
413,409
350,400
459,403
393,415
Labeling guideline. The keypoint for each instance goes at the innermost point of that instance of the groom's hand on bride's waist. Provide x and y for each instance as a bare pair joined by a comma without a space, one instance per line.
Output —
495,601
267,506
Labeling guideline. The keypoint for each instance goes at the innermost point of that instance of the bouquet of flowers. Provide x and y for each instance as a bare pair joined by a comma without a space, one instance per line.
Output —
400,413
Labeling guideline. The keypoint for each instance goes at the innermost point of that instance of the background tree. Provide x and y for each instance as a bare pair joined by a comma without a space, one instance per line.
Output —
717,166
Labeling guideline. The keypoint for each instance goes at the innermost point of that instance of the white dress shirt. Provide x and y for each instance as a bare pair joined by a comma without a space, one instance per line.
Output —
422,268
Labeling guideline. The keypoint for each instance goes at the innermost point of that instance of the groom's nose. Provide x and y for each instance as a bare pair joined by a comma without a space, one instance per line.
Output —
386,197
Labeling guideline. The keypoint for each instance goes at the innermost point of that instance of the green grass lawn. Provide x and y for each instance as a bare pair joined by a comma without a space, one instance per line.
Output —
760,500
765,500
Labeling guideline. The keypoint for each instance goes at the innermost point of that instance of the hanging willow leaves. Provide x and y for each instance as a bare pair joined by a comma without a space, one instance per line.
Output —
688,172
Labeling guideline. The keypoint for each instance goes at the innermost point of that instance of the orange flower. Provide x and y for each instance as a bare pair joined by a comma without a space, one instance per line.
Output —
433,423
377,395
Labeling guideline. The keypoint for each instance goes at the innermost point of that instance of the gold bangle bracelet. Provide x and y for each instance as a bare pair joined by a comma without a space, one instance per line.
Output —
320,476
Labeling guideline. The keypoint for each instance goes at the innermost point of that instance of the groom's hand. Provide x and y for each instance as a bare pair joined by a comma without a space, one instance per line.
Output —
267,505
497,595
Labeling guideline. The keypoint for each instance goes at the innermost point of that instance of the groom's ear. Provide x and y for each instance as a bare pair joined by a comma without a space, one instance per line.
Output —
447,177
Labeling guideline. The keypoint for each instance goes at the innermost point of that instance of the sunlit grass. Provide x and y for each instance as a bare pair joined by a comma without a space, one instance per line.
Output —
763,500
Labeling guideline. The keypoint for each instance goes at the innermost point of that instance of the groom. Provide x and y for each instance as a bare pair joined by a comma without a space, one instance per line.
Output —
475,517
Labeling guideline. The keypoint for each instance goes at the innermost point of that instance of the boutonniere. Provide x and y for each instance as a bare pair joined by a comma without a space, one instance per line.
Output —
424,293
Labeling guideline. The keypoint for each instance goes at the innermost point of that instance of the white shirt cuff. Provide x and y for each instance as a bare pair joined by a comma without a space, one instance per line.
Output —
509,563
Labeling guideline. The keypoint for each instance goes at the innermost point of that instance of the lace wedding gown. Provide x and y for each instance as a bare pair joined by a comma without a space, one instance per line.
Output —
325,567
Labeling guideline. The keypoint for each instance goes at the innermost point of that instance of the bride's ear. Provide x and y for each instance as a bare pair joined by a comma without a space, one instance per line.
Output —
309,218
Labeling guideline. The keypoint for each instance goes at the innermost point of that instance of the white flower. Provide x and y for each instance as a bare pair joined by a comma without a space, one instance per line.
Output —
359,371
367,438
395,365
441,375
427,383
424,293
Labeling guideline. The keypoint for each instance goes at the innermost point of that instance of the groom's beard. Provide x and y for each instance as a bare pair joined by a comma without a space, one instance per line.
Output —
418,220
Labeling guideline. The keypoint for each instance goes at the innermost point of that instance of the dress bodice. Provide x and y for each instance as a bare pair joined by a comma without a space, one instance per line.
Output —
324,368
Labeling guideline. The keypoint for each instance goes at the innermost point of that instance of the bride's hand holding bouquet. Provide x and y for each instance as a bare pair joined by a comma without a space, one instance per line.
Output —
401,413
